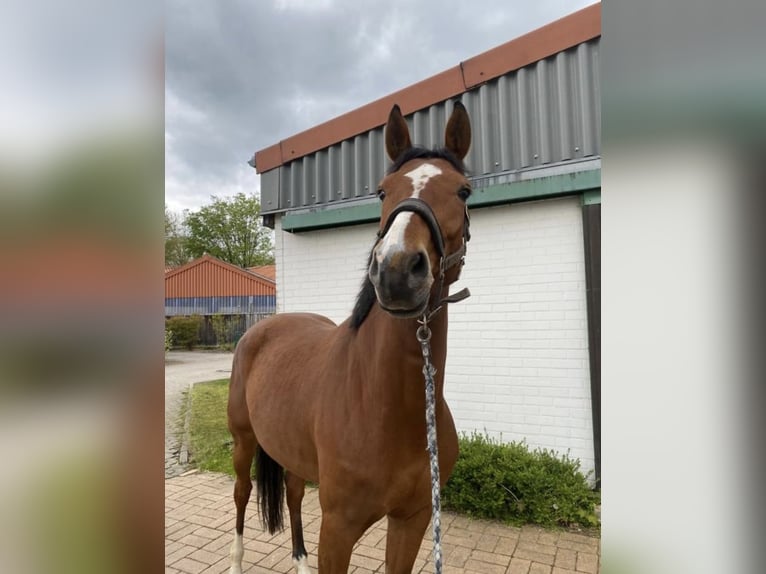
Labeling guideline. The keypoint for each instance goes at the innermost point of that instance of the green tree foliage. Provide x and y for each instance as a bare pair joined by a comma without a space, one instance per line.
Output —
231,230
176,251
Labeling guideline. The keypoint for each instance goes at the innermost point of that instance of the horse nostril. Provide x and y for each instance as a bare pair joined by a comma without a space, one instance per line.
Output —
419,267
374,267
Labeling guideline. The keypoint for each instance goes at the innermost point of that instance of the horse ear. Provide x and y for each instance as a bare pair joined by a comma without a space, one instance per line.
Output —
457,136
397,134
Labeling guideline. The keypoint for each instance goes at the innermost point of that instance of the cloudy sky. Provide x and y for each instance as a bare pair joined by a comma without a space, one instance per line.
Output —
243,74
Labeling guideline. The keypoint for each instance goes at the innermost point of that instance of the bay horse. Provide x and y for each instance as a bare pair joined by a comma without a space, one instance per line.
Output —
343,405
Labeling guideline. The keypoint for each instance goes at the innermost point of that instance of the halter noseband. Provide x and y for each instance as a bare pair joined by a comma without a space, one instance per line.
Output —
416,205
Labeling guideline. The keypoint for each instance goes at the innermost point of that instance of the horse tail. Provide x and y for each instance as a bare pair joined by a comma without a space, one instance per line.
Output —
270,485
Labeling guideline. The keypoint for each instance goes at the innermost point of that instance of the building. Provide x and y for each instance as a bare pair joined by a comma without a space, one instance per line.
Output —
208,286
524,350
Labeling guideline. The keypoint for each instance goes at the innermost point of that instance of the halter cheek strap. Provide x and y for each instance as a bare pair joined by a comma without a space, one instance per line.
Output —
416,205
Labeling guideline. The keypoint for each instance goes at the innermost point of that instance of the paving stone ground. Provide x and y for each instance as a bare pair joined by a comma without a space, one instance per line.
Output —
199,518
199,525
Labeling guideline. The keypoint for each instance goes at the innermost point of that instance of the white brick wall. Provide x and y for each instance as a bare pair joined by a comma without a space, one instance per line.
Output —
518,348
321,271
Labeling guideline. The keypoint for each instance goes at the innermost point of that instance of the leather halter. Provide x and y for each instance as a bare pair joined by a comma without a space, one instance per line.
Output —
416,205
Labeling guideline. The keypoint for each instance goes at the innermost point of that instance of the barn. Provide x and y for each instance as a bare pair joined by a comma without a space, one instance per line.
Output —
524,350
210,287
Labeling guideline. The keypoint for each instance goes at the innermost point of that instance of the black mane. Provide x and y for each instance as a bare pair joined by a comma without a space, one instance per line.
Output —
418,152
364,302
366,297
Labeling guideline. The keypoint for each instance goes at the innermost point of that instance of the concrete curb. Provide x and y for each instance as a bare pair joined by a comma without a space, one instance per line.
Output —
183,452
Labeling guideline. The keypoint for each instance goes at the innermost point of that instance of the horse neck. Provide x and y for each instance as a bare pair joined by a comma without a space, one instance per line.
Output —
393,356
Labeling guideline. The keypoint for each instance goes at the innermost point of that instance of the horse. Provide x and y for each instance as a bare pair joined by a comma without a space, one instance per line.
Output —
343,405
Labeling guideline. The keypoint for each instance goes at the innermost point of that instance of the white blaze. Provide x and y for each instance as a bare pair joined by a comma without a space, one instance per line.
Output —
394,238
420,176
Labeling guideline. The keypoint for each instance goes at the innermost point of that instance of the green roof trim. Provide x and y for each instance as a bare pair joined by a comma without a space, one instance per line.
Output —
591,197
336,217
538,188
587,183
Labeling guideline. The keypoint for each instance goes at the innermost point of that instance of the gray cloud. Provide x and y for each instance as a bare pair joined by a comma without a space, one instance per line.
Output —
242,75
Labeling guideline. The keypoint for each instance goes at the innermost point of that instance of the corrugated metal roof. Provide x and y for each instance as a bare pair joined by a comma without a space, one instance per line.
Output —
208,276
533,102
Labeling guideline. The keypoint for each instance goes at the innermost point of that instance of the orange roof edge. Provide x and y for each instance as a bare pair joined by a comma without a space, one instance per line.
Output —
189,265
564,33
267,271
560,35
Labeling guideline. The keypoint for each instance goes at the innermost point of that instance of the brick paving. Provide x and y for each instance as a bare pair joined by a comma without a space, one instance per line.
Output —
199,525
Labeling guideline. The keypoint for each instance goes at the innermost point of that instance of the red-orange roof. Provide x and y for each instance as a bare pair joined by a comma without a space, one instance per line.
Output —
208,276
267,271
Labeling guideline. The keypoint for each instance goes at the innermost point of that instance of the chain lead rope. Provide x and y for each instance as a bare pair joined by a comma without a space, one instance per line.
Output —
424,337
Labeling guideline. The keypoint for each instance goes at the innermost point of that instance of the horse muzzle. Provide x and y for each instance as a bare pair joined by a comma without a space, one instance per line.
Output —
402,282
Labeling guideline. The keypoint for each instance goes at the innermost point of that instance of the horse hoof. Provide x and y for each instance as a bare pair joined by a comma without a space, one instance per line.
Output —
235,570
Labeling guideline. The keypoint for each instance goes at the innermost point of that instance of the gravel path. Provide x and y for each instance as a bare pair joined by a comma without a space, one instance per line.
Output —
183,369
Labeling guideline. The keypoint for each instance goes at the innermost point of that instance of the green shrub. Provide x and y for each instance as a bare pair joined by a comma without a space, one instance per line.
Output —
511,483
185,330
168,339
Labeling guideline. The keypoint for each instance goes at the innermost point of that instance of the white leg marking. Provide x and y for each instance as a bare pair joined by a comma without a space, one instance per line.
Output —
394,238
236,553
302,565
420,176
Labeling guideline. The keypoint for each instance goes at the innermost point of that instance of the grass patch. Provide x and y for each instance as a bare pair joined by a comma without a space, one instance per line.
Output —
210,440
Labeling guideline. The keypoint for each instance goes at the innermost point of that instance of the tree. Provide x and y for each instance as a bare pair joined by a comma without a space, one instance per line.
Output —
176,251
230,229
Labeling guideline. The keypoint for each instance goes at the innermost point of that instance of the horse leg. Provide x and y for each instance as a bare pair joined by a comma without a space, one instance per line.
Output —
337,537
403,540
296,487
244,450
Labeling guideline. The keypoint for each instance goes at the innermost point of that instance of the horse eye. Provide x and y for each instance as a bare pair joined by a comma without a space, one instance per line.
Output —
381,194
464,193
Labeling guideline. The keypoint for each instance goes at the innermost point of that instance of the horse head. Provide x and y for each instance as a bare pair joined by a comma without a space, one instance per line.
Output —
424,218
